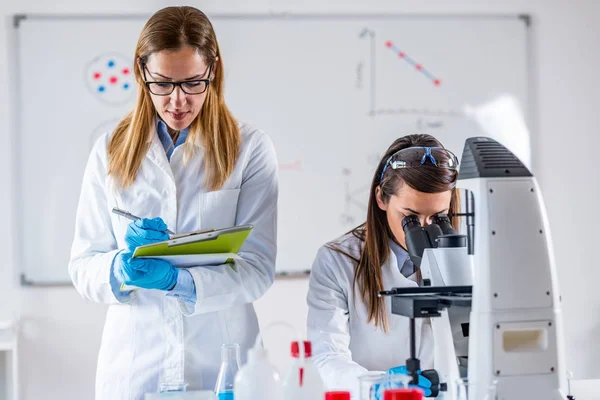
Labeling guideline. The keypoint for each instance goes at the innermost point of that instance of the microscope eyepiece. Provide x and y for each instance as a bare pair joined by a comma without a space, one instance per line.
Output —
443,221
416,238
436,219
409,222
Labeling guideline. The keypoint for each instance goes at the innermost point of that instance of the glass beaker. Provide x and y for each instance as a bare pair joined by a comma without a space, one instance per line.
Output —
230,365
187,395
166,387
463,389
373,384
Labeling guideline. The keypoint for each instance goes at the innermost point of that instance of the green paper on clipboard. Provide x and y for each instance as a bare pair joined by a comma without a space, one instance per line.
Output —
206,247
213,241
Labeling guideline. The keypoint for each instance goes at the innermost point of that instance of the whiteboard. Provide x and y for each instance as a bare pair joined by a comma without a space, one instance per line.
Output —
332,92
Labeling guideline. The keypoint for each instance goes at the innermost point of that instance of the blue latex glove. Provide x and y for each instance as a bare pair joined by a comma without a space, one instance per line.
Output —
147,273
424,384
145,231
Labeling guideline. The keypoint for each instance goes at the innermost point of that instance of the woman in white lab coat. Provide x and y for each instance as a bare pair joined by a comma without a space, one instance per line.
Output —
181,162
351,328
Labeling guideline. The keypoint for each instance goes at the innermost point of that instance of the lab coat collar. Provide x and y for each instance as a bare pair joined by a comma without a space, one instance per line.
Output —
157,154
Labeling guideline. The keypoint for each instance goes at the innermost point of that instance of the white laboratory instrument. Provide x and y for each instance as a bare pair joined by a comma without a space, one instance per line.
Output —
492,294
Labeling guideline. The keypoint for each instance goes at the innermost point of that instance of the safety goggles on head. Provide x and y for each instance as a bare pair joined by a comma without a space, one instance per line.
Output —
417,156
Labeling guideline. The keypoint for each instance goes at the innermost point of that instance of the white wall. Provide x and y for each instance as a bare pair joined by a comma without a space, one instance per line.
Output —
61,332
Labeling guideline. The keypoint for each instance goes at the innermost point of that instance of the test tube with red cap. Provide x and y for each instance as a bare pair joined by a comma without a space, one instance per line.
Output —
403,394
337,395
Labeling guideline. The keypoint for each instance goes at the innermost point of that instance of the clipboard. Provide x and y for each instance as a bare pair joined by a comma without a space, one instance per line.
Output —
212,241
206,247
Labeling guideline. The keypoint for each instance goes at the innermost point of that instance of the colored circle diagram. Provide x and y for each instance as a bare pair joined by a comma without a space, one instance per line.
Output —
109,78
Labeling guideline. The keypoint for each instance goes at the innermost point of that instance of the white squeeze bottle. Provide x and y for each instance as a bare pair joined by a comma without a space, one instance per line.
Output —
303,381
258,379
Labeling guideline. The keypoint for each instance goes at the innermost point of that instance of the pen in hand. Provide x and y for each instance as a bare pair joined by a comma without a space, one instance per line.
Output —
132,217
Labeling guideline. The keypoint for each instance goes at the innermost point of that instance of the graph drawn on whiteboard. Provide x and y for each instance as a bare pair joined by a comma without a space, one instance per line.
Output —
109,78
418,66
393,50
356,196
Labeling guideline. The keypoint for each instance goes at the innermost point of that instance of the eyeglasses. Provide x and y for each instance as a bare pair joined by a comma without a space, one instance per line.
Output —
165,88
417,156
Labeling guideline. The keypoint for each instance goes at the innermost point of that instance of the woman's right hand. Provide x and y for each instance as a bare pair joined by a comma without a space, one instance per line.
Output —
145,231
423,383
147,273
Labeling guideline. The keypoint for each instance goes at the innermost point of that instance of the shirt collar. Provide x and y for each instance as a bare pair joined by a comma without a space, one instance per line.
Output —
165,138
399,252
405,264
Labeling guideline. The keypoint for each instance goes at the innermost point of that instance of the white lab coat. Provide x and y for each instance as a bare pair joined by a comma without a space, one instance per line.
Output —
150,338
345,346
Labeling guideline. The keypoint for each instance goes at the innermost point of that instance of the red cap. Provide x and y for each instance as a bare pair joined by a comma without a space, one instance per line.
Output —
307,349
337,395
403,394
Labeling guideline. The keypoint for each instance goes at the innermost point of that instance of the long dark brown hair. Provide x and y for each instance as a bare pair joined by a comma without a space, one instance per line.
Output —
376,234
173,28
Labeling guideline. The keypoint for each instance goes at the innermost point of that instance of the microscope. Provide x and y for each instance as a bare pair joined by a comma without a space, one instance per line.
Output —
491,295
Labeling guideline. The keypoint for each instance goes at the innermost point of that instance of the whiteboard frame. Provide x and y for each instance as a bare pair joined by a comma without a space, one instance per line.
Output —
15,92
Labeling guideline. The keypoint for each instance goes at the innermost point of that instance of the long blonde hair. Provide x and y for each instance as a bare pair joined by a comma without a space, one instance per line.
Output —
171,29
376,234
